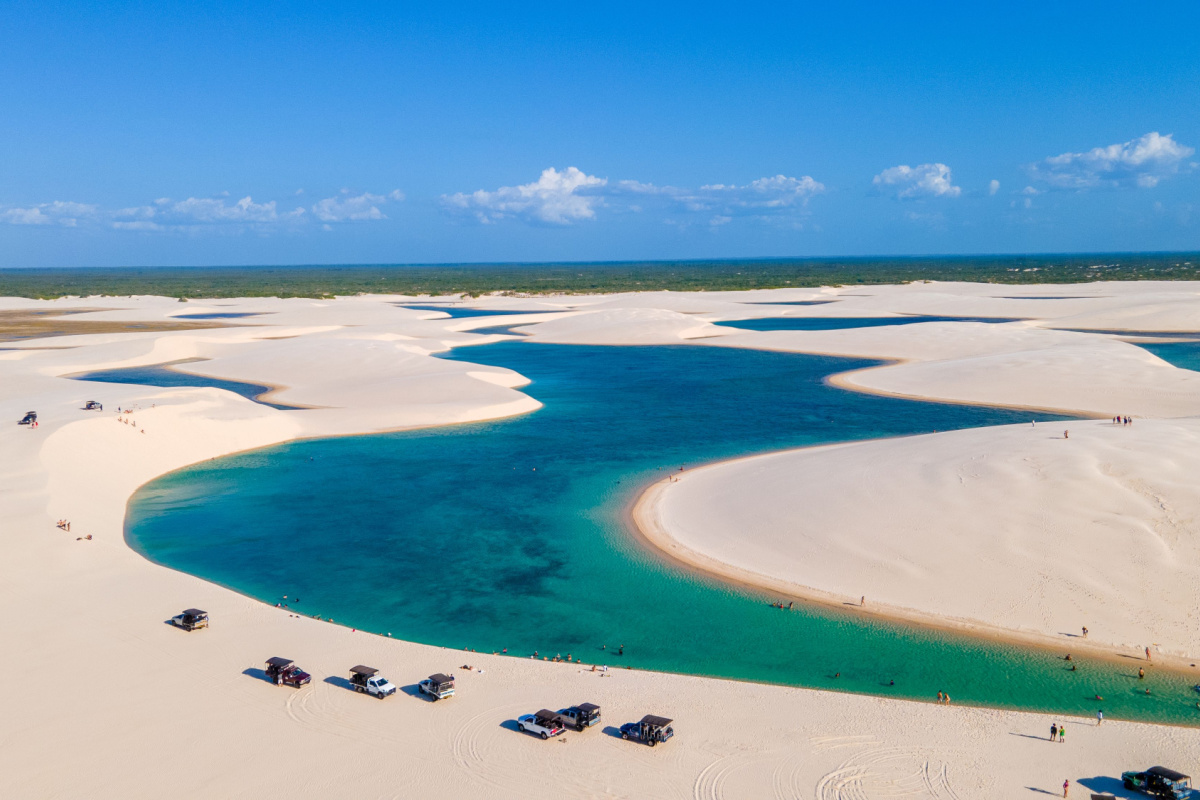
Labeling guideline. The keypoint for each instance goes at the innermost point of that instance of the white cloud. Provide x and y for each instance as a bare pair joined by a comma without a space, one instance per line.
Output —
197,213
763,194
1141,162
556,198
923,180
993,186
357,208
566,197
59,212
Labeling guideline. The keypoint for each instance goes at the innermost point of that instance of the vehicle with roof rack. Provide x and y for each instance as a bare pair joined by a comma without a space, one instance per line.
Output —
544,723
192,619
284,671
584,715
1159,782
367,680
437,686
650,729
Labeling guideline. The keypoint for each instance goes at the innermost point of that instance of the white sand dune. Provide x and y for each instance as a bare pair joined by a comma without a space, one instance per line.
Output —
101,699
1008,528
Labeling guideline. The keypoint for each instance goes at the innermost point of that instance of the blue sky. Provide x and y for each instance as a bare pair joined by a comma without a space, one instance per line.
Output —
179,133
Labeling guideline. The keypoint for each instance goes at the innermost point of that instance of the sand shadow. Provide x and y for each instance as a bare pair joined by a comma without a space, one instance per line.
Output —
414,690
511,725
1043,791
255,672
341,683
613,731
1030,736
1104,784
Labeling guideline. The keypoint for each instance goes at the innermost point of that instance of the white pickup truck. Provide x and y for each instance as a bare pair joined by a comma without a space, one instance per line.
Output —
544,724
438,686
367,680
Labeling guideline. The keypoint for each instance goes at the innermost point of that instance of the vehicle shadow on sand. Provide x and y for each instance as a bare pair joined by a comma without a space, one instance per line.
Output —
1108,786
341,683
255,672
511,725
613,731
413,690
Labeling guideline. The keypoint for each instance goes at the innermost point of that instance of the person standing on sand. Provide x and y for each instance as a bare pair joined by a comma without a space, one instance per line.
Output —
1062,733
1066,434
1099,718
1066,786
1053,730
1147,649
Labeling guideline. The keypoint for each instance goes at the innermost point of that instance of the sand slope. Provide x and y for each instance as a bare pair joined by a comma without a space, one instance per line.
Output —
101,699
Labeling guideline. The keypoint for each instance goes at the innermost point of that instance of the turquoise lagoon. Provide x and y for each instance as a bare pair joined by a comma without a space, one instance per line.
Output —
513,534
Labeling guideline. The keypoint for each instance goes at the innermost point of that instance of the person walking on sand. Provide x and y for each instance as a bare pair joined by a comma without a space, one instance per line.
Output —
1066,787
1099,718
1066,434
1053,730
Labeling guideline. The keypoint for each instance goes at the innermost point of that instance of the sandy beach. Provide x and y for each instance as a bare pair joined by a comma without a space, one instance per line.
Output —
1013,530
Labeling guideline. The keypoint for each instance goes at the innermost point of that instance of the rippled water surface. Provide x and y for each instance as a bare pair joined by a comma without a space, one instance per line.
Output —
510,534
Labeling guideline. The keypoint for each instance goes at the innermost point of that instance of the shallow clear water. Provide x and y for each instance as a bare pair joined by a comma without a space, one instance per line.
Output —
840,323
1185,355
510,534
163,375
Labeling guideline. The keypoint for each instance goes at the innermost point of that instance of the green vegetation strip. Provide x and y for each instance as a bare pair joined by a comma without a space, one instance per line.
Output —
579,278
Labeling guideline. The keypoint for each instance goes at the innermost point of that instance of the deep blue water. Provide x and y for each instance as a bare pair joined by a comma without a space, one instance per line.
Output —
219,315
511,534
1185,355
164,375
457,312
840,323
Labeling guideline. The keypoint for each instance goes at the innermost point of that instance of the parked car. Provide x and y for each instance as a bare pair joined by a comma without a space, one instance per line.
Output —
93,405
1159,782
584,715
650,730
191,619
367,680
29,418
437,686
284,671
544,724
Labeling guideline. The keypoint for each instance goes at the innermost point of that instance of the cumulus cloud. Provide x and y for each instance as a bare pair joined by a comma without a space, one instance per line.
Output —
197,213
1141,162
57,213
993,186
563,198
357,208
555,198
923,180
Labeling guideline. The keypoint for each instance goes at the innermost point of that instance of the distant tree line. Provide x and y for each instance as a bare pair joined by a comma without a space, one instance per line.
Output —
580,278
